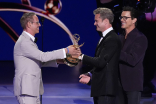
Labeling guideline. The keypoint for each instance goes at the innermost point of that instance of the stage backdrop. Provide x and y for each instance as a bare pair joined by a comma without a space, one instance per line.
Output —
77,15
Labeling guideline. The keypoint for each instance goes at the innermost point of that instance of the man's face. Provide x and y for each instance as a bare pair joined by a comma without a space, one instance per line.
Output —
35,25
127,21
99,23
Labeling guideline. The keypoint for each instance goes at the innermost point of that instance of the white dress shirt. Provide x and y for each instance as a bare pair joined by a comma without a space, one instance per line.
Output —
32,37
104,34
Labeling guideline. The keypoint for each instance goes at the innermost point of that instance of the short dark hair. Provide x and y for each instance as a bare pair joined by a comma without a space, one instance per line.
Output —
105,13
133,12
26,18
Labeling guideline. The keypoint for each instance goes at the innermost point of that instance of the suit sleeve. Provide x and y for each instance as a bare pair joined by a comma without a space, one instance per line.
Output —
136,53
52,63
31,51
109,47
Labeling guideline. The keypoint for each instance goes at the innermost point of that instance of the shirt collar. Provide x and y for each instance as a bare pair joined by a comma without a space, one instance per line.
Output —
32,37
107,31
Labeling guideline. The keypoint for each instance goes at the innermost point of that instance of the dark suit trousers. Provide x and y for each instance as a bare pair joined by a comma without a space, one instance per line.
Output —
127,97
104,100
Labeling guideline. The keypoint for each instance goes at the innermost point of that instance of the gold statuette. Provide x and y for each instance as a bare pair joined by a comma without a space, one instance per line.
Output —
69,60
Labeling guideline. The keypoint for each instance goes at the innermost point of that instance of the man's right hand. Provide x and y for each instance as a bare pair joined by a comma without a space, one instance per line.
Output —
75,52
84,79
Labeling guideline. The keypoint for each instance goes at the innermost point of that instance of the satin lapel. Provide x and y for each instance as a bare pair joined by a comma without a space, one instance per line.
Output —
98,47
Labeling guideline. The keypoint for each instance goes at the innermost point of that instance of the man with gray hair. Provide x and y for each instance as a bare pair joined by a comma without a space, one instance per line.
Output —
28,60
104,74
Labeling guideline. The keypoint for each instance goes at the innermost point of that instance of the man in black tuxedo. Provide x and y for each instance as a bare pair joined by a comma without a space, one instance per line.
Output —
105,63
134,45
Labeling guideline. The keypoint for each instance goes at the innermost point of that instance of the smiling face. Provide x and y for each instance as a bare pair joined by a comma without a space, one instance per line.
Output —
127,23
99,23
35,25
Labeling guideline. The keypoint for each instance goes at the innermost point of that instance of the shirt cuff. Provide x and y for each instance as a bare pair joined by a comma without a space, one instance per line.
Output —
90,74
64,53
81,57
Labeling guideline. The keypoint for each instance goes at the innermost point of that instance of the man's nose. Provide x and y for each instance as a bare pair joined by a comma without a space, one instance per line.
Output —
39,24
94,23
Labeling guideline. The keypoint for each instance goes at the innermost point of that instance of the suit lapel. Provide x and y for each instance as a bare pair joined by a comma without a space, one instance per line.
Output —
102,41
130,38
28,38
122,39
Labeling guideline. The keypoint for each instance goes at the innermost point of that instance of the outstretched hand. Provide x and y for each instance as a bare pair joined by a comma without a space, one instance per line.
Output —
75,52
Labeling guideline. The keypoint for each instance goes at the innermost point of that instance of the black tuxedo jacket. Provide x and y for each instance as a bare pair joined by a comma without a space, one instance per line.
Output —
131,60
105,63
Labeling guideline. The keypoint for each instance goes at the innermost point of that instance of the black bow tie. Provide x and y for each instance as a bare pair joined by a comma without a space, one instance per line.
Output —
35,39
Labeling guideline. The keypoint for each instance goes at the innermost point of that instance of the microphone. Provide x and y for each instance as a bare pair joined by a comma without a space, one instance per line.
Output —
42,19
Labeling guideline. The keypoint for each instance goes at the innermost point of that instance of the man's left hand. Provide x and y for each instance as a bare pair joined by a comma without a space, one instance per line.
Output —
84,78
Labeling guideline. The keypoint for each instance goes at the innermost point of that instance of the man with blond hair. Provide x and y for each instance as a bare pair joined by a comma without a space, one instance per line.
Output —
28,60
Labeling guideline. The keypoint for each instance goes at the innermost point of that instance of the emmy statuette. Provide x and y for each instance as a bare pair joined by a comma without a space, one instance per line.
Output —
69,60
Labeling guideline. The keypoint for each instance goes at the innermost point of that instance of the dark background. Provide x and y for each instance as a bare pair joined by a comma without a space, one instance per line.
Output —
78,16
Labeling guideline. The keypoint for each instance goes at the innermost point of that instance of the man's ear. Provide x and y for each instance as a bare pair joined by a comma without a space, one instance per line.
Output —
134,20
29,24
106,21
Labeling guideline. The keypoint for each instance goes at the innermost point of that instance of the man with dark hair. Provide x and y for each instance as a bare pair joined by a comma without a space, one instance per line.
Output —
134,45
28,60
105,63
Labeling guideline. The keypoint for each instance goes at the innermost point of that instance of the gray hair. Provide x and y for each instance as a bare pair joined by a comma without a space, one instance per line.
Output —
105,13
26,18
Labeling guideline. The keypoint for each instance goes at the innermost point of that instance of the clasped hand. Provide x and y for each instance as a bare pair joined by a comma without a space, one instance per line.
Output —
74,52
